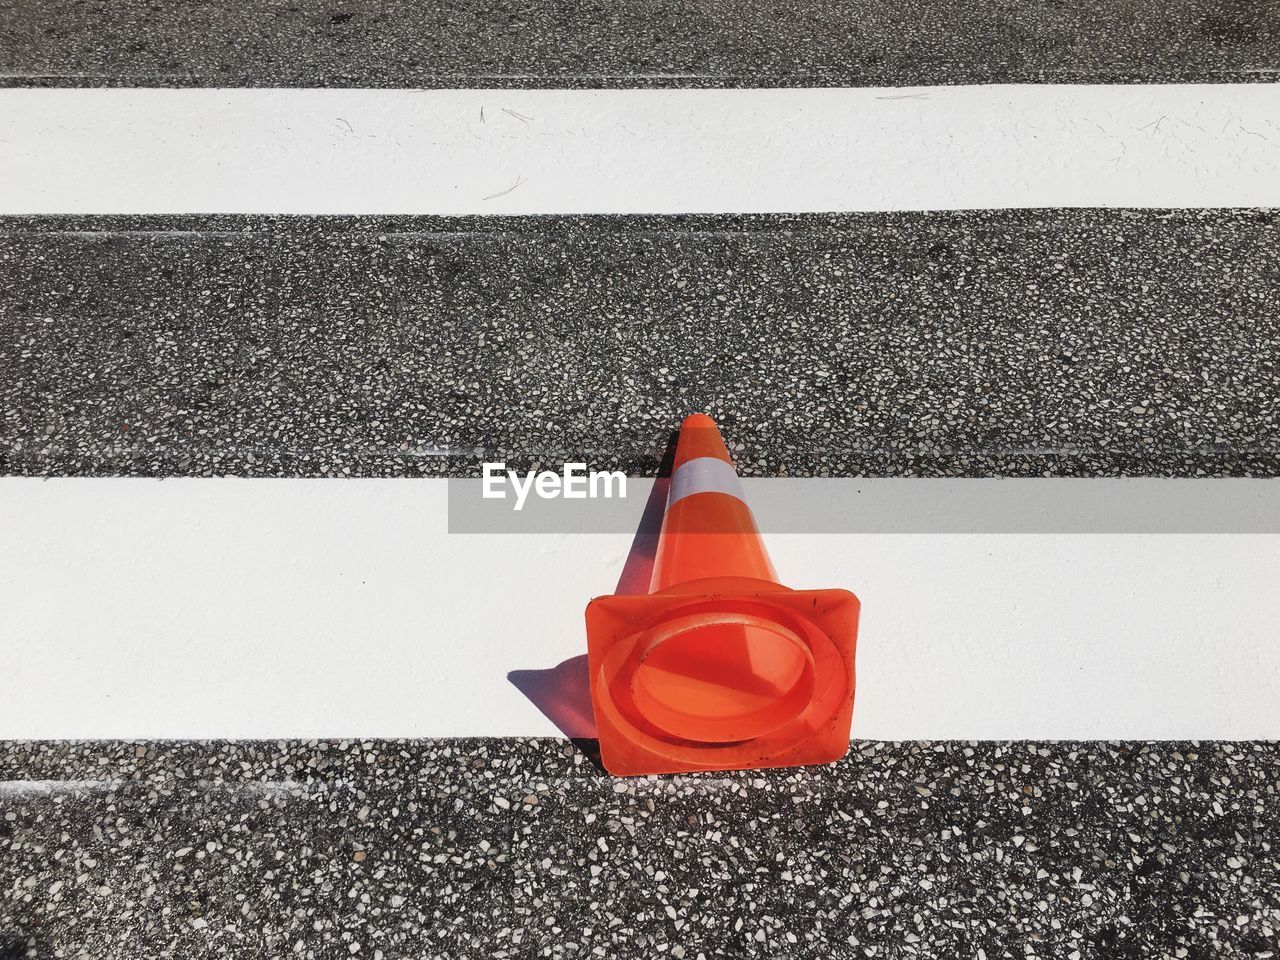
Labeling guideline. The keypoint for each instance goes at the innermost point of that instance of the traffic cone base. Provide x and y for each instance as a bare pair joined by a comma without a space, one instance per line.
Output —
722,673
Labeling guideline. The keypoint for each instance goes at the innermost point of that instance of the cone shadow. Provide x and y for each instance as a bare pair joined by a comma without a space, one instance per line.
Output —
563,693
638,569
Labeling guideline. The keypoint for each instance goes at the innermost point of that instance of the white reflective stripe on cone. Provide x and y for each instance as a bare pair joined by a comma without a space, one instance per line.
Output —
704,475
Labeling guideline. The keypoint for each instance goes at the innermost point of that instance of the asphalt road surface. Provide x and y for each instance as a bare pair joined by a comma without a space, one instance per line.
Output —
982,343
523,848
635,43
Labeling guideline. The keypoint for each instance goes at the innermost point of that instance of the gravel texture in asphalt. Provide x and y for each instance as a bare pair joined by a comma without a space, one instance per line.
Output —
1063,342
634,43
522,848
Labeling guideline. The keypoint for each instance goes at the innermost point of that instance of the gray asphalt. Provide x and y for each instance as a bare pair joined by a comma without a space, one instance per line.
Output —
1063,342
635,43
522,848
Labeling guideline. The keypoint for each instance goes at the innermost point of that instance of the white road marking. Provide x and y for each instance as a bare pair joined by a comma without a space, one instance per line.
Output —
661,151
280,608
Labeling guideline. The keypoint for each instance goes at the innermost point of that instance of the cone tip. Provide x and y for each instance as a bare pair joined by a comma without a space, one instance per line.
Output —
698,421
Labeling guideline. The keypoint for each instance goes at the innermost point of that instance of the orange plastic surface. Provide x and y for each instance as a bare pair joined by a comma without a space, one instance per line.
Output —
719,667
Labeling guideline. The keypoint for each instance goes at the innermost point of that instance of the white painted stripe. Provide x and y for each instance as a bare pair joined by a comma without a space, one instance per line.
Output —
703,475
271,608
556,151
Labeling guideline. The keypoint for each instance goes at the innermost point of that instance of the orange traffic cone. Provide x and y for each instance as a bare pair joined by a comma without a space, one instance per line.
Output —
719,666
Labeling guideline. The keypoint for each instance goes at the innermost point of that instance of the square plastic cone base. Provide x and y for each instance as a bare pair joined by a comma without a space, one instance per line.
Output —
722,680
